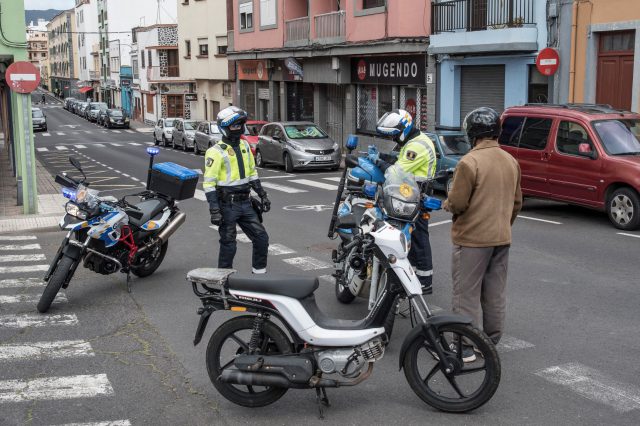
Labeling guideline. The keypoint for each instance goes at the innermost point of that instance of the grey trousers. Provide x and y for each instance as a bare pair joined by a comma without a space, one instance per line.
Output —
479,286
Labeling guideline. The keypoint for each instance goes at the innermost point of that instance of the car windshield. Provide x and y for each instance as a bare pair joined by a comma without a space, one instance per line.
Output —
98,105
116,113
619,137
169,123
304,131
214,128
36,113
454,144
188,125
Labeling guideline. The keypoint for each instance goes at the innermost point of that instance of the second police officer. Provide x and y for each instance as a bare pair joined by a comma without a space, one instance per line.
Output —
230,175
417,156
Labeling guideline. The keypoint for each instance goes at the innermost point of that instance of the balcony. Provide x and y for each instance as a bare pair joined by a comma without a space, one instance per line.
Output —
330,27
297,32
480,15
164,73
94,75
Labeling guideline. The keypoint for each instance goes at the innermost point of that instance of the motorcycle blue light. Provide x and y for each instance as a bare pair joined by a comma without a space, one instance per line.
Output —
69,193
370,190
432,203
352,142
153,151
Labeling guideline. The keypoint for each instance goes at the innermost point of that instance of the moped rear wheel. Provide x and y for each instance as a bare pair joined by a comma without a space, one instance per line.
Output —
55,283
232,339
466,386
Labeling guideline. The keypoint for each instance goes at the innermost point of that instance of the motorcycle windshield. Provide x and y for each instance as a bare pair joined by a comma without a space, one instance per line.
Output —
400,185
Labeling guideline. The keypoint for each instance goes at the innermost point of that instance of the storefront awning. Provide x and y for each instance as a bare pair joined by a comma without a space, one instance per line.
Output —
85,89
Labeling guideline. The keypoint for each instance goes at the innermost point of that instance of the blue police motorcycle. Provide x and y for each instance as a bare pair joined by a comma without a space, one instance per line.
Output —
109,235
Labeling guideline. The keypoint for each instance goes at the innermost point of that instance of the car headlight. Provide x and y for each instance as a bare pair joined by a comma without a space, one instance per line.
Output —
190,136
402,208
336,146
76,211
112,120
169,131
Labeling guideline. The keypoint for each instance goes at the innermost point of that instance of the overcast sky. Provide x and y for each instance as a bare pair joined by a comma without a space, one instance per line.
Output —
48,4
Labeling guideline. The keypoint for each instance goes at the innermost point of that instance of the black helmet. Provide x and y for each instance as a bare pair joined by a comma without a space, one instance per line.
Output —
482,123
231,116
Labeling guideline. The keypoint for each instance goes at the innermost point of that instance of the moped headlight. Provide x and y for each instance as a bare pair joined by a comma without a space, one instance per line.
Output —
402,208
75,211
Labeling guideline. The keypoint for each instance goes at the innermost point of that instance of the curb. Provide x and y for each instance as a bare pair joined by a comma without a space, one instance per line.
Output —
29,222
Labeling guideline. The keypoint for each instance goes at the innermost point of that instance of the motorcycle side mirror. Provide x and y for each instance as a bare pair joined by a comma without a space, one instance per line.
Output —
347,222
351,161
76,163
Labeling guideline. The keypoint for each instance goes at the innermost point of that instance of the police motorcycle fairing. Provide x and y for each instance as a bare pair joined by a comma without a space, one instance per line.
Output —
109,235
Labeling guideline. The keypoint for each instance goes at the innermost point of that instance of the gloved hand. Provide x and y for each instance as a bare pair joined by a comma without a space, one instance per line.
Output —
216,217
266,204
373,153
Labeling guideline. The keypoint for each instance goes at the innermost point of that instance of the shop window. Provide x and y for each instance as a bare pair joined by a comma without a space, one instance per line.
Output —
535,133
373,101
246,16
268,14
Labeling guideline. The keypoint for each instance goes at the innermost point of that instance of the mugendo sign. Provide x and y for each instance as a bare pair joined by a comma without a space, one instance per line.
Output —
396,70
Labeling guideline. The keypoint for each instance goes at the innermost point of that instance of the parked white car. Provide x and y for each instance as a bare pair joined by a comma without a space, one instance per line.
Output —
163,131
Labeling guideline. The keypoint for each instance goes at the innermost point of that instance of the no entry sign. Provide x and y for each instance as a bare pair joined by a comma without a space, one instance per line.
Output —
548,61
22,77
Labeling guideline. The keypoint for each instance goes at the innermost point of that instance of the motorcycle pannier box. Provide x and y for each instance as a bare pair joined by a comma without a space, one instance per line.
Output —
173,180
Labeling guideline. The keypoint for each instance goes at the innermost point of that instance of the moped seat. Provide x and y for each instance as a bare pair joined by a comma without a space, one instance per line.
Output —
150,209
282,285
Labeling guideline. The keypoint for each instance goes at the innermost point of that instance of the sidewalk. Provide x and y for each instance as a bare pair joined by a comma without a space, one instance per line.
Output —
50,201
140,127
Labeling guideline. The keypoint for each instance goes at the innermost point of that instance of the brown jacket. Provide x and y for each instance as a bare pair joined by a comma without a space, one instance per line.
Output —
485,197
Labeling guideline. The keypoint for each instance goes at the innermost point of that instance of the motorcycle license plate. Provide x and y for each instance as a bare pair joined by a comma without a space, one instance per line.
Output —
323,158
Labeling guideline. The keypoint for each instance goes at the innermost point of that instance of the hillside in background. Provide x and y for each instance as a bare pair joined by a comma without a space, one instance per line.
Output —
33,15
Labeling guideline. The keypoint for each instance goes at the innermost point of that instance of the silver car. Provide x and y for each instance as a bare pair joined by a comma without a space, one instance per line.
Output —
94,110
297,145
163,131
207,134
184,133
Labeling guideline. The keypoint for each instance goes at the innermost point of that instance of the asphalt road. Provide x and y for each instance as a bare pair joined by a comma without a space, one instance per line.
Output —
568,357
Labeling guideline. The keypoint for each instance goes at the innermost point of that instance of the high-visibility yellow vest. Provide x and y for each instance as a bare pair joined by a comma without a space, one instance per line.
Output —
418,156
222,166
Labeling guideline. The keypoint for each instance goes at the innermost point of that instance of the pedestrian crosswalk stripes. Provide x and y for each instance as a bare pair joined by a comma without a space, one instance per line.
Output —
61,148
116,144
99,145
33,320
307,263
42,149
15,247
60,133
333,178
17,237
22,269
29,298
46,134
53,388
46,350
22,257
129,131
21,283
80,146
115,131
87,132
107,423
283,188
315,184
279,249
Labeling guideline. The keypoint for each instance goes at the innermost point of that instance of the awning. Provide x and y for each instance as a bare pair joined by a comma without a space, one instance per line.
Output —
85,89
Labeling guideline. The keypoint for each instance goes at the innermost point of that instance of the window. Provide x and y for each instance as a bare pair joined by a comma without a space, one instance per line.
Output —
246,15
142,59
203,47
226,89
187,48
511,128
134,68
222,50
535,133
149,58
570,137
221,42
373,101
370,4
622,41
268,14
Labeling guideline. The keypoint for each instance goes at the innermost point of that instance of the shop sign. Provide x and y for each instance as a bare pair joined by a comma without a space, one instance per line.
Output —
190,97
125,82
253,70
395,70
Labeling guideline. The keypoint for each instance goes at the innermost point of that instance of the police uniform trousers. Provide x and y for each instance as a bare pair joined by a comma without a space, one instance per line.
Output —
241,213
420,252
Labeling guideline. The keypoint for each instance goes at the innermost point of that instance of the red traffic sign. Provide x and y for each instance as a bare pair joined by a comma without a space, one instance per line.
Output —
548,61
23,77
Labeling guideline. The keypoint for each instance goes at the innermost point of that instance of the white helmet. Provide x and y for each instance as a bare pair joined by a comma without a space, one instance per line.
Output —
397,124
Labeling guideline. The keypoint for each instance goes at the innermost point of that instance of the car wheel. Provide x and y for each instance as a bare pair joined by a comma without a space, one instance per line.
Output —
155,139
173,143
623,209
184,145
164,141
195,148
288,163
259,160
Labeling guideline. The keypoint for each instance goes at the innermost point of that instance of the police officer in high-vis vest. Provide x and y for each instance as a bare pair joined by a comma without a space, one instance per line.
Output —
230,174
417,156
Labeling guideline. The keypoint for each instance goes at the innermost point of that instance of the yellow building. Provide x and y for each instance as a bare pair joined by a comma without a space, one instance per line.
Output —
63,54
605,54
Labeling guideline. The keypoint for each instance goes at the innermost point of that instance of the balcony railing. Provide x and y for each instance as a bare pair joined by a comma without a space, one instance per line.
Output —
158,73
479,15
330,26
297,32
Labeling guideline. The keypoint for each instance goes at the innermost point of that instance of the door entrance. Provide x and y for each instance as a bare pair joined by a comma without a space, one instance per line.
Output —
615,69
335,108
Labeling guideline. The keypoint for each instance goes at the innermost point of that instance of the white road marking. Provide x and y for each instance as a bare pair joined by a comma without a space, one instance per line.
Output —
22,269
110,168
108,423
46,134
129,131
242,238
199,195
628,235
116,131
29,298
593,385
21,283
135,179
125,175
80,146
60,133
99,145
431,225
308,263
116,144
279,249
24,247
283,188
510,344
315,184
333,178
33,320
328,278
134,143
17,237
22,258
88,131
42,149
553,222
52,388
61,148
46,350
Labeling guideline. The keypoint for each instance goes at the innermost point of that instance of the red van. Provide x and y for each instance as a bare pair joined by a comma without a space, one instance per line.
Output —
581,154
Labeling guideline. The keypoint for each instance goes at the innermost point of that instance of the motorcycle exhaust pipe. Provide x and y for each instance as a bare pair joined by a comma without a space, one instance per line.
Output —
237,377
172,227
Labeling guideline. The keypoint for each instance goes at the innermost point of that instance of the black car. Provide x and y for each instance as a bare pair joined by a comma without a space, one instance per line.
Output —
115,118
38,119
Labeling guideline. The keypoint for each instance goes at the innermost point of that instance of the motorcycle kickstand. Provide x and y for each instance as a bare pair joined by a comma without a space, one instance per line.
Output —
323,400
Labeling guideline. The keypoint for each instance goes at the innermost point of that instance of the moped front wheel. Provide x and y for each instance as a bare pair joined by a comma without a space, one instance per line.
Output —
454,385
55,283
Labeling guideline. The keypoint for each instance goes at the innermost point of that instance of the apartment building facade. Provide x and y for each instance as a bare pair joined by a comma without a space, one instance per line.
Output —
158,89
339,64
86,16
38,49
203,27
63,56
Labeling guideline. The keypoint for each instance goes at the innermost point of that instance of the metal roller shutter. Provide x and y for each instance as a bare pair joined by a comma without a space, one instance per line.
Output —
481,86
